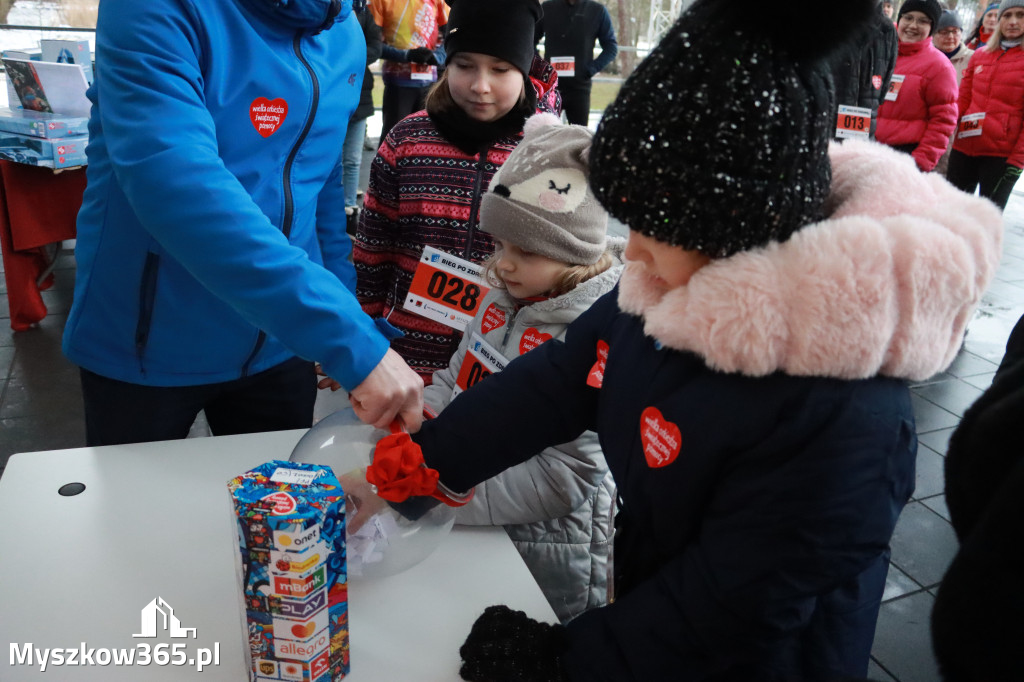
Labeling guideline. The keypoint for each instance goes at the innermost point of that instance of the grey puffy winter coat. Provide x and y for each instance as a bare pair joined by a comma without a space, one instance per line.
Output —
559,506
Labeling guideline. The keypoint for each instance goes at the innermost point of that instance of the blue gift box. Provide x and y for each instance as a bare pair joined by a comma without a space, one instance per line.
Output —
41,124
59,152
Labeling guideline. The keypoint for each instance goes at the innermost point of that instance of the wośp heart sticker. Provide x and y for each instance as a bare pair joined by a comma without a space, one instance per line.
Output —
532,338
267,115
596,376
494,317
661,439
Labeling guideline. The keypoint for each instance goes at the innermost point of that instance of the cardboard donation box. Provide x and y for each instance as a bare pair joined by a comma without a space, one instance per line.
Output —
290,519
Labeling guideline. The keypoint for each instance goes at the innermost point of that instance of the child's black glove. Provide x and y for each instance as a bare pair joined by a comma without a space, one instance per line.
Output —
421,55
506,646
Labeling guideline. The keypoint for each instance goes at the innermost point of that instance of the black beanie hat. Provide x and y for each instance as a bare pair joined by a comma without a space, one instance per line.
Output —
931,8
718,142
500,28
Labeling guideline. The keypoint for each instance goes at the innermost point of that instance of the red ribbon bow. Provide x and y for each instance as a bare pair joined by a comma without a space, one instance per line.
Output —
398,470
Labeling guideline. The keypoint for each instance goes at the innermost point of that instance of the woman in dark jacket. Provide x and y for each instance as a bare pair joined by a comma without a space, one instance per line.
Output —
747,379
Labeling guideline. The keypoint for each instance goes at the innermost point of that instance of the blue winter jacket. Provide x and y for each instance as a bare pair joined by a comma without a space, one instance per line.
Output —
211,239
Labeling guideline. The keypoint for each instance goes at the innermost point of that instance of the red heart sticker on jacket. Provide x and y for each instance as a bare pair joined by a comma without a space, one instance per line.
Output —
596,376
661,438
494,317
531,339
267,115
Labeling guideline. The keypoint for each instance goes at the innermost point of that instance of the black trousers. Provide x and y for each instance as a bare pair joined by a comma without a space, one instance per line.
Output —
982,173
576,104
279,398
399,102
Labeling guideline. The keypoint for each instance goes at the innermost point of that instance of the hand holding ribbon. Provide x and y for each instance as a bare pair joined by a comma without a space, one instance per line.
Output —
399,472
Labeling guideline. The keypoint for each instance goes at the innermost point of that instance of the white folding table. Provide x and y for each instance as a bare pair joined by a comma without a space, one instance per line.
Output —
155,520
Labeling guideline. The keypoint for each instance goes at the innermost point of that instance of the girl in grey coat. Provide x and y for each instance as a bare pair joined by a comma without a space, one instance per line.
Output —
553,261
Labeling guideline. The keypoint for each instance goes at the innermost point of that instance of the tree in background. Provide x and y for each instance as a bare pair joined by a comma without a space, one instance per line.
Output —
78,13
5,8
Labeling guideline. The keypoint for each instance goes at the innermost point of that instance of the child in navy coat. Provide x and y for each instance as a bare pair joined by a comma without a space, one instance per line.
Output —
748,377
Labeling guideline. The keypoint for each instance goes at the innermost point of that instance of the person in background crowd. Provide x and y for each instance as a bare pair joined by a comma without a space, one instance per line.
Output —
988,152
949,41
213,264
569,29
432,169
919,111
985,26
413,32
553,261
887,10
352,152
747,378
861,70
976,630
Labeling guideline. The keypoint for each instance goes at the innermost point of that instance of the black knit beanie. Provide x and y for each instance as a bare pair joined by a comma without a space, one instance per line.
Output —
499,28
931,8
718,142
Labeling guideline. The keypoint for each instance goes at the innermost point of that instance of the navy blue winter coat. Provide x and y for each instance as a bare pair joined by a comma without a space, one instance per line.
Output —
758,428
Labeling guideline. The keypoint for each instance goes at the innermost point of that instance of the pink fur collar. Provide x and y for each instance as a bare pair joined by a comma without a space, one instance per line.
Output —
886,285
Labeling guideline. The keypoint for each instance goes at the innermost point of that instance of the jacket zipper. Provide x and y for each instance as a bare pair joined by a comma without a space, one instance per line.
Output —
475,204
289,207
508,328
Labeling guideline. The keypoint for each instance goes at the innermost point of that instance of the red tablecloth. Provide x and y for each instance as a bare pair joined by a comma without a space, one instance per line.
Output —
37,207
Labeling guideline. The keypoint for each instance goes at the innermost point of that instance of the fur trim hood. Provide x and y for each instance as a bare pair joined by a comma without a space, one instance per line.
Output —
884,286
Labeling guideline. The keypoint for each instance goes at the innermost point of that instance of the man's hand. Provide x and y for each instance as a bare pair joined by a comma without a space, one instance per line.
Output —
421,55
391,389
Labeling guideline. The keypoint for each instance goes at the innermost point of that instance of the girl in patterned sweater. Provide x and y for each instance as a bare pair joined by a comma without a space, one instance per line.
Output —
432,168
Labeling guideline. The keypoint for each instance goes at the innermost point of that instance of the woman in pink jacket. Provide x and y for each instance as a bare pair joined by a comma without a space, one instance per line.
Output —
919,111
988,152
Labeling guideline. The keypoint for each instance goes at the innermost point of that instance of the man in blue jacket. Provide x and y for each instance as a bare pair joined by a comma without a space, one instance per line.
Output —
569,29
212,254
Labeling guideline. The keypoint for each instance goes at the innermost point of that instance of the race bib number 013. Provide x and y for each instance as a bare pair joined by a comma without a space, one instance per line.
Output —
853,122
481,361
446,289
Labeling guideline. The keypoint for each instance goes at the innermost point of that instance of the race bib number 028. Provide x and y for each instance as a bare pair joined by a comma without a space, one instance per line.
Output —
446,289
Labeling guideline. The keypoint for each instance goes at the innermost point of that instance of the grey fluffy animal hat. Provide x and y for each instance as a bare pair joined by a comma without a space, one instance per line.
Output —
540,200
